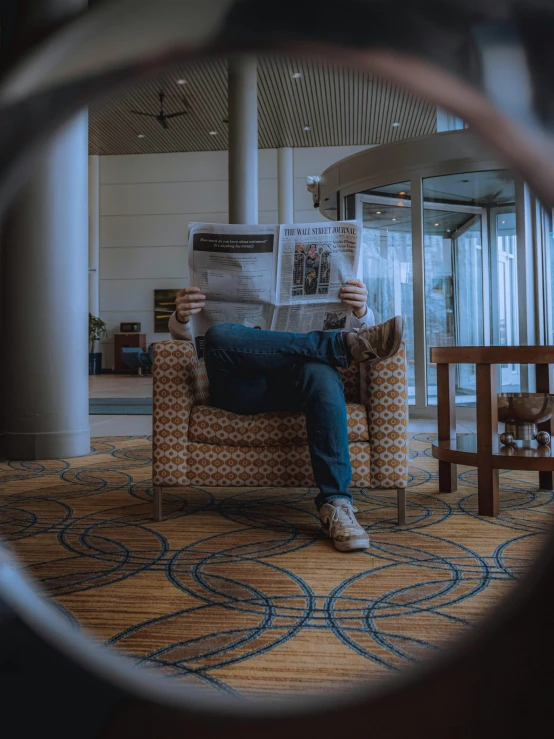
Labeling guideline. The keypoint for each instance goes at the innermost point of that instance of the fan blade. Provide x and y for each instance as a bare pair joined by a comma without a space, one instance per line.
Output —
163,123
176,115
139,112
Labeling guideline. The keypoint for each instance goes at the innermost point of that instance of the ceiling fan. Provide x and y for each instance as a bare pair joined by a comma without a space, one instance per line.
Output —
161,117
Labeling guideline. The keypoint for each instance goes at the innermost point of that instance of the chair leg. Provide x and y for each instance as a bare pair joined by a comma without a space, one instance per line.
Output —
401,503
157,499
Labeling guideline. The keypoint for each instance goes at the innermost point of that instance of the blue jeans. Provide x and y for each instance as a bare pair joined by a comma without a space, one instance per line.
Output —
252,371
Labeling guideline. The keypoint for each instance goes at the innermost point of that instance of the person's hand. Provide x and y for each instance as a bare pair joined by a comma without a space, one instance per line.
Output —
188,302
354,294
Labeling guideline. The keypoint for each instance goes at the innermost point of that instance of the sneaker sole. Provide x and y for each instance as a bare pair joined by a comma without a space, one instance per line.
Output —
354,545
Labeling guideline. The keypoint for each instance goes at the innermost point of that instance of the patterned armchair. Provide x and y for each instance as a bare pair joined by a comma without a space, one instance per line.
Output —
196,444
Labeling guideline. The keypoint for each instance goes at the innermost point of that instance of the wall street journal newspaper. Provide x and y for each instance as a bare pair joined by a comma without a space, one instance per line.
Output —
283,278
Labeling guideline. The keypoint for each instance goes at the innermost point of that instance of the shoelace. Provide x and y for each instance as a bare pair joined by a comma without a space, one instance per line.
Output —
349,511
365,341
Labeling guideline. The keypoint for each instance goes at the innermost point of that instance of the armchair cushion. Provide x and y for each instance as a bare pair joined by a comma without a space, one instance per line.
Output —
210,425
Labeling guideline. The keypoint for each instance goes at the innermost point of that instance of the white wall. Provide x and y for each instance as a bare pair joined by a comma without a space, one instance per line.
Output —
146,202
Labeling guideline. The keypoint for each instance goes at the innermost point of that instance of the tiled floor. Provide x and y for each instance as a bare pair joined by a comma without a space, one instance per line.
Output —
133,386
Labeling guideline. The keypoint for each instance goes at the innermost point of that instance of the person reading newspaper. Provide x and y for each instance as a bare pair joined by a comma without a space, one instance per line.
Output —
253,371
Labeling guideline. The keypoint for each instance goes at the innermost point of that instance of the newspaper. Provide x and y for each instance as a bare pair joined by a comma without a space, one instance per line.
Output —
282,278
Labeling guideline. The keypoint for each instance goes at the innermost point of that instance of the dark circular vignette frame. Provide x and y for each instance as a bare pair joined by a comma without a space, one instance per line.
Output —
495,682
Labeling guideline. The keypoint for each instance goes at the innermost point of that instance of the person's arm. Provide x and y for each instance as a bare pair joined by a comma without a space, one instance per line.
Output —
189,302
354,295
368,318
178,330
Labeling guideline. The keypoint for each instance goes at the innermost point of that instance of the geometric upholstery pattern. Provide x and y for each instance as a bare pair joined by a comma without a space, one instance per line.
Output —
194,443
215,426
272,466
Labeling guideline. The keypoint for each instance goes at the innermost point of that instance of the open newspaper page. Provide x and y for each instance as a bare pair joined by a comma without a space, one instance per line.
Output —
284,278
314,261
234,266
310,317
233,262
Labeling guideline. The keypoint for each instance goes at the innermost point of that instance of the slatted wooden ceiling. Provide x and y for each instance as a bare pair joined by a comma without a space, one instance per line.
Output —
339,105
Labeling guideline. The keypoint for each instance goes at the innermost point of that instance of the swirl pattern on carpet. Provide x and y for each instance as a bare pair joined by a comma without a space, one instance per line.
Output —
238,591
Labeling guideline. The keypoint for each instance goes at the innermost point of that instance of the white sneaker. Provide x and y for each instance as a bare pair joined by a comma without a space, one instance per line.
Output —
340,524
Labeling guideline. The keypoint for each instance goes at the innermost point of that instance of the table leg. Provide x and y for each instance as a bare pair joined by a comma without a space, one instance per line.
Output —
545,384
487,440
446,418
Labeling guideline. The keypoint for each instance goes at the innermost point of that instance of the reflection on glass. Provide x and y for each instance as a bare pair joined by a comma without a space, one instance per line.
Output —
507,324
462,214
387,260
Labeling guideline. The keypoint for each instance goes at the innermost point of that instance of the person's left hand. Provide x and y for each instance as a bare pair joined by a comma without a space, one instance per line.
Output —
354,294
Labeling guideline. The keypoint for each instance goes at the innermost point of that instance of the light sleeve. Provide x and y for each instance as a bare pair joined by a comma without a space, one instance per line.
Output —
178,330
356,323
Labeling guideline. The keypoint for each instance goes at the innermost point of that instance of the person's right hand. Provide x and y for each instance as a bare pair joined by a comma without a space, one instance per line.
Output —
188,302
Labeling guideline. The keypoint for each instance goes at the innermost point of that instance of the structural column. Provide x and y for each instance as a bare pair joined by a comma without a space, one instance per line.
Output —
285,185
93,234
44,393
243,140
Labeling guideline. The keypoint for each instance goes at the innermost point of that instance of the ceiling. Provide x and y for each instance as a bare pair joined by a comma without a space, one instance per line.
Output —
340,105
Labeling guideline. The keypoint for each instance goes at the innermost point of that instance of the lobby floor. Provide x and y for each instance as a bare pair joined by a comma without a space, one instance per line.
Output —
133,386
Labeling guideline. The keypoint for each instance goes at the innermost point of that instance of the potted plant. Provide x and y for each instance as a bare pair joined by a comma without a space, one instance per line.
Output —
97,330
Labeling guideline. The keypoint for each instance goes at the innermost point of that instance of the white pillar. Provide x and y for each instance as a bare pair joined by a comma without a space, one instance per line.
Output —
94,234
285,185
44,389
243,140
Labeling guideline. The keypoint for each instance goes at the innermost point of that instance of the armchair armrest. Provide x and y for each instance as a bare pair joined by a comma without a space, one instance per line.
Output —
174,373
385,395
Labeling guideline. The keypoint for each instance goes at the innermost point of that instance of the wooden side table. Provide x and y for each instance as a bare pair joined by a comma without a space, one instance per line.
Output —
482,450
126,340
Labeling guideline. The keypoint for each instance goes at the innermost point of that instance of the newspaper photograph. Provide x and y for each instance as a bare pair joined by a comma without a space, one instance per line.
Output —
283,278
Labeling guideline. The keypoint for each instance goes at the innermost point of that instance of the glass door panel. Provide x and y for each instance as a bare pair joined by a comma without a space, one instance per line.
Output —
387,261
453,290
506,328
468,290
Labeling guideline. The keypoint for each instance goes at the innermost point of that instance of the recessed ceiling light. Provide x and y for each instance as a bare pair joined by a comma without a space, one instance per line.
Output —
502,221
395,124
378,212
402,193
141,136
394,219
213,133
181,82
448,230
296,76
435,224
307,128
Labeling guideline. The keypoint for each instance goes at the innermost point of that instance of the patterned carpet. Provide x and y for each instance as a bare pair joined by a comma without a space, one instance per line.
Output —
237,590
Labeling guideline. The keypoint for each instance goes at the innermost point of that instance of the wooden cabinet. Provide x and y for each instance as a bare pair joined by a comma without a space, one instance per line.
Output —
126,340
